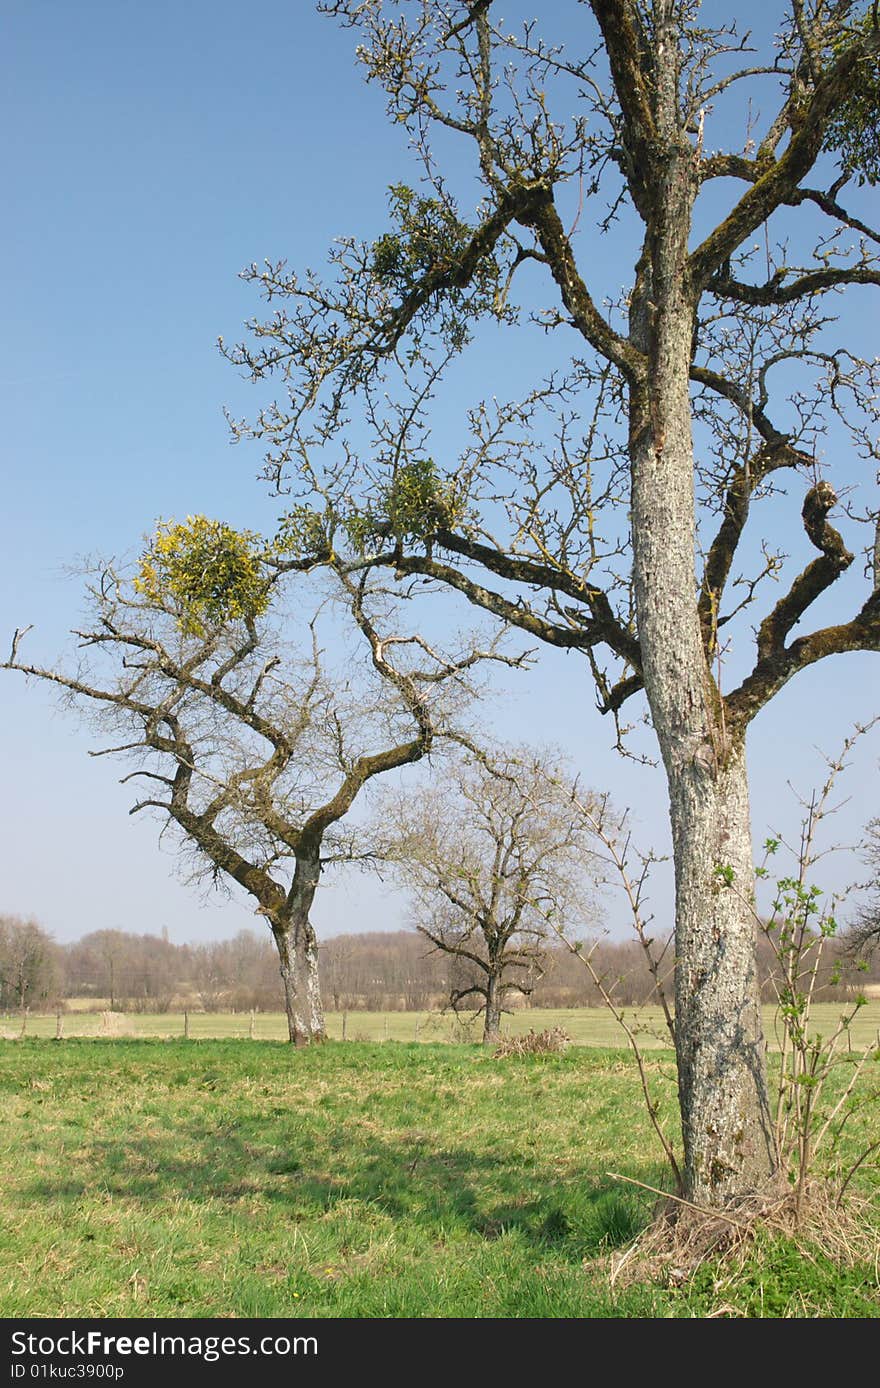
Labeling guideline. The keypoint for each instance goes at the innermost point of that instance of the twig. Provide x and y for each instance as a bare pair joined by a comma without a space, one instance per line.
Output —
679,1200
854,1168
18,636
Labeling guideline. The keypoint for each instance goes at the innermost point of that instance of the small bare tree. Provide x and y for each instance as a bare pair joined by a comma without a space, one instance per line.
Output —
497,857
255,756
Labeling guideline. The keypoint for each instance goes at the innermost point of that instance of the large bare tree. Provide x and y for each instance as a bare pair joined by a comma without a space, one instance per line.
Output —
256,754
610,511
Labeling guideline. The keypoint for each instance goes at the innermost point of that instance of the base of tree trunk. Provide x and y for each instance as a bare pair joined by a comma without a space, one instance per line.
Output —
681,1237
302,1039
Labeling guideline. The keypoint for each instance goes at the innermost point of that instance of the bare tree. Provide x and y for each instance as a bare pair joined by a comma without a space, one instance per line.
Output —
27,963
237,973
863,936
140,972
255,756
664,413
497,856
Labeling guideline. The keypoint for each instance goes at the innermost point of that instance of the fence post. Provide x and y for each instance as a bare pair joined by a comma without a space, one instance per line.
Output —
253,1031
185,1025
59,1026
345,1026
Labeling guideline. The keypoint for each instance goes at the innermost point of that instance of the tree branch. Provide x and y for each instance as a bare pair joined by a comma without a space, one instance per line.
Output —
780,178
776,292
816,577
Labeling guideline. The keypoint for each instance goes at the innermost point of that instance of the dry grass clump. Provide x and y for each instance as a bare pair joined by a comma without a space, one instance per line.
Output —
552,1041
115,1024
683,1237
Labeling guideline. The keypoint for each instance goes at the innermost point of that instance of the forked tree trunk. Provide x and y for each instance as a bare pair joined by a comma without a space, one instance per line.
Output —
728,1142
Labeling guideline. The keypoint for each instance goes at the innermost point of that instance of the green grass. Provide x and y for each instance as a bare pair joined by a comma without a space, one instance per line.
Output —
209,1178
587,1026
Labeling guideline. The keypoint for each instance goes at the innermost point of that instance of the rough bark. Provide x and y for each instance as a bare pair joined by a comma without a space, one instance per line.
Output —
298,965
310,1011
281,933
494,1002
297,947
728,1144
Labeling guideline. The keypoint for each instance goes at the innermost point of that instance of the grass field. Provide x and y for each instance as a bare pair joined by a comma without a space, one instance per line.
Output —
587,1026
212,1178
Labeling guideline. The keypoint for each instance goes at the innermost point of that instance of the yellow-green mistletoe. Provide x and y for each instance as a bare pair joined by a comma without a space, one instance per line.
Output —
206,571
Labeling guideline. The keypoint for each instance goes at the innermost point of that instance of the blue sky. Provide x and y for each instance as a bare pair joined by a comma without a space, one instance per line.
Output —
151,151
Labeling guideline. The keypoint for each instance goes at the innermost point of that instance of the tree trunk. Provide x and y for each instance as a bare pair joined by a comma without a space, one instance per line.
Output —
728,1141
298,958
288,981
298,954
494,1000
311,1009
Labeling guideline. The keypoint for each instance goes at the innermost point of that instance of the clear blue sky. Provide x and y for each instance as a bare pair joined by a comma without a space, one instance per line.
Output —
152,150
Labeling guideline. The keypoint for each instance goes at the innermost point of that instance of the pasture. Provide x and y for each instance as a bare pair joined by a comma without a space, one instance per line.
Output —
587,1026
236,1178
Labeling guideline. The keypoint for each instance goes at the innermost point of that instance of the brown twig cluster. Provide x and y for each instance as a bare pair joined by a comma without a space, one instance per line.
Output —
551,1041
682,1236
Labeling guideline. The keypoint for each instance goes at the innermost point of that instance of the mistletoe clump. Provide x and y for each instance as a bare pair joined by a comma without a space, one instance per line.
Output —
854,130
206,571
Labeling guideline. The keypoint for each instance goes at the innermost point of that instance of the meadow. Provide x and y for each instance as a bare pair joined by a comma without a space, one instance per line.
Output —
587,1026
242,1178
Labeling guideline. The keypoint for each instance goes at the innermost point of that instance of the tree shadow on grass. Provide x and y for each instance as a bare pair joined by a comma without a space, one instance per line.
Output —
448,1189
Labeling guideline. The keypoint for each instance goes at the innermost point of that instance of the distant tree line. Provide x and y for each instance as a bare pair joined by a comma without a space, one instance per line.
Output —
376,972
